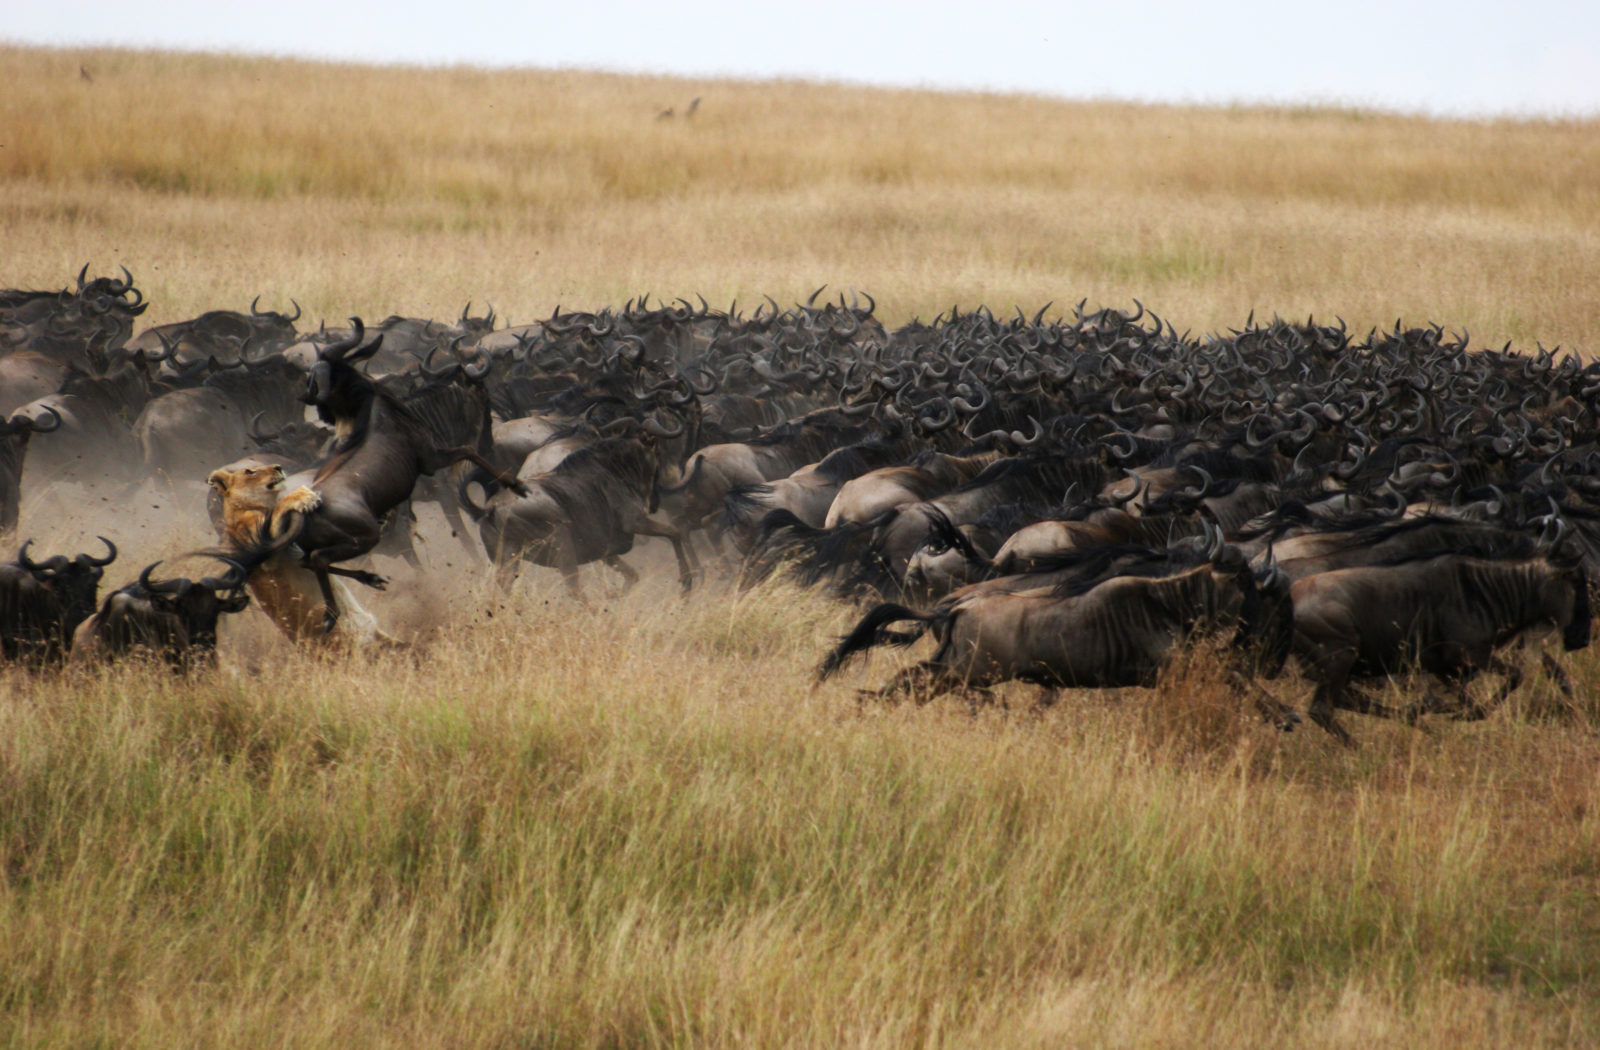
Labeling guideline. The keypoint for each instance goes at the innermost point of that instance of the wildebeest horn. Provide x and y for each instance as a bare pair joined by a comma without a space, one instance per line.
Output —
660,431
447,372
1138,487
943,416
81,275
100,563
1206,482
1022,440
175,586
963,405
1550,536
478,371
36,424
232,580
1109,441
254,431
336,350
49,565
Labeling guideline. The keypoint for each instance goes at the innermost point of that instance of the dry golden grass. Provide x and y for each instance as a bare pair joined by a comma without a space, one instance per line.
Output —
399,190
638,824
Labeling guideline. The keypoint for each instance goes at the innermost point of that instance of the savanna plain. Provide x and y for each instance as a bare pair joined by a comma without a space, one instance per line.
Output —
637,822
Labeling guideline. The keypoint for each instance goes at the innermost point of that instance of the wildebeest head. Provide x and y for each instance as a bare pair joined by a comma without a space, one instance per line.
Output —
332,383
1265,613
175,619
74,581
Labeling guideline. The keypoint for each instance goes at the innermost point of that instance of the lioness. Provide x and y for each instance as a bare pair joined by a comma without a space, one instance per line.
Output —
255,514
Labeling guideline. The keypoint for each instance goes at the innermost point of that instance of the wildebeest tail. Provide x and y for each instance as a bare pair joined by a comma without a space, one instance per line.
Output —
744,503
869,633
946,532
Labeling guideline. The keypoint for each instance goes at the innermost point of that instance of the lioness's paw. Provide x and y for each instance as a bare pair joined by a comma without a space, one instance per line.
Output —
301,499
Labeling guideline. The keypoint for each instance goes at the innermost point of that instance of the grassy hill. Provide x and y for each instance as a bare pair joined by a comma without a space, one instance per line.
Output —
413,190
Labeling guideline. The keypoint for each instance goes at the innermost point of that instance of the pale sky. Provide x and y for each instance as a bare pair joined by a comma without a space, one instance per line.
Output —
1462,58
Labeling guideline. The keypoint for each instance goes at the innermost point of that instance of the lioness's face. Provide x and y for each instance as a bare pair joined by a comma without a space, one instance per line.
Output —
239,482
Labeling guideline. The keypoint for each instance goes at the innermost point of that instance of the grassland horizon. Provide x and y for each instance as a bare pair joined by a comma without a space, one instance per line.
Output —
640,823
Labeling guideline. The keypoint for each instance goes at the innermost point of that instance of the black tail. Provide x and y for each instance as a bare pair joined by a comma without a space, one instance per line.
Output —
869,633
946,532
742,504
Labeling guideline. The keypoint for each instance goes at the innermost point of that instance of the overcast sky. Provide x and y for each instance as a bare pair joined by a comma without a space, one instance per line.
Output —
1461,58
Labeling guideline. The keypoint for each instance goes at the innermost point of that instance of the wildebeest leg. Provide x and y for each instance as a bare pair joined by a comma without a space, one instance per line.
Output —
1327,697
362,576
569,576
688,564
629,576
330,604
505,571
1513,675
1273,711
321,561
1557,674
450,505
401,534
921,682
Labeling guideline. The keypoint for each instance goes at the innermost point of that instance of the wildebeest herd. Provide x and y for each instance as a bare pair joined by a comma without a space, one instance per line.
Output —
1067,502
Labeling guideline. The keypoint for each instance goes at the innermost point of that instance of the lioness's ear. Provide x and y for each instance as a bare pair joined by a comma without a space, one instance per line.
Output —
218,480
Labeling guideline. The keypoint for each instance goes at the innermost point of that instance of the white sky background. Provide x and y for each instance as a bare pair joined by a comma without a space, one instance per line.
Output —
1462,58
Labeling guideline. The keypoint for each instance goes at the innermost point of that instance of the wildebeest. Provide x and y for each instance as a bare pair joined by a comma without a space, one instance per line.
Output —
1114,620
1445,614
588,508
172,620
43,602
254,513
380,448
223,335
27,375
77,327
14,436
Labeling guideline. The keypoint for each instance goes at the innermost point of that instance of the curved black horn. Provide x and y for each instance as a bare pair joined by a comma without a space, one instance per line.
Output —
232,580
100,563
173,586
336,350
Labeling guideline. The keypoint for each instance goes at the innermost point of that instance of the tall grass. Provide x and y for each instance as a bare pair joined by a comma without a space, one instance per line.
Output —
638,823
638,826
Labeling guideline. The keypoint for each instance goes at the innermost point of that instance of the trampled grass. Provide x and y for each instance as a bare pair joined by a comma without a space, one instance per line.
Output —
638,823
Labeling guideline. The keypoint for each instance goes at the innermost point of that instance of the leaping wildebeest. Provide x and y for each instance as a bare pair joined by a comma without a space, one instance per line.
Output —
379,450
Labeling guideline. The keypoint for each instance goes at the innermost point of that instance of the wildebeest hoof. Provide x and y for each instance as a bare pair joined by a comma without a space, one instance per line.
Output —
371,579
